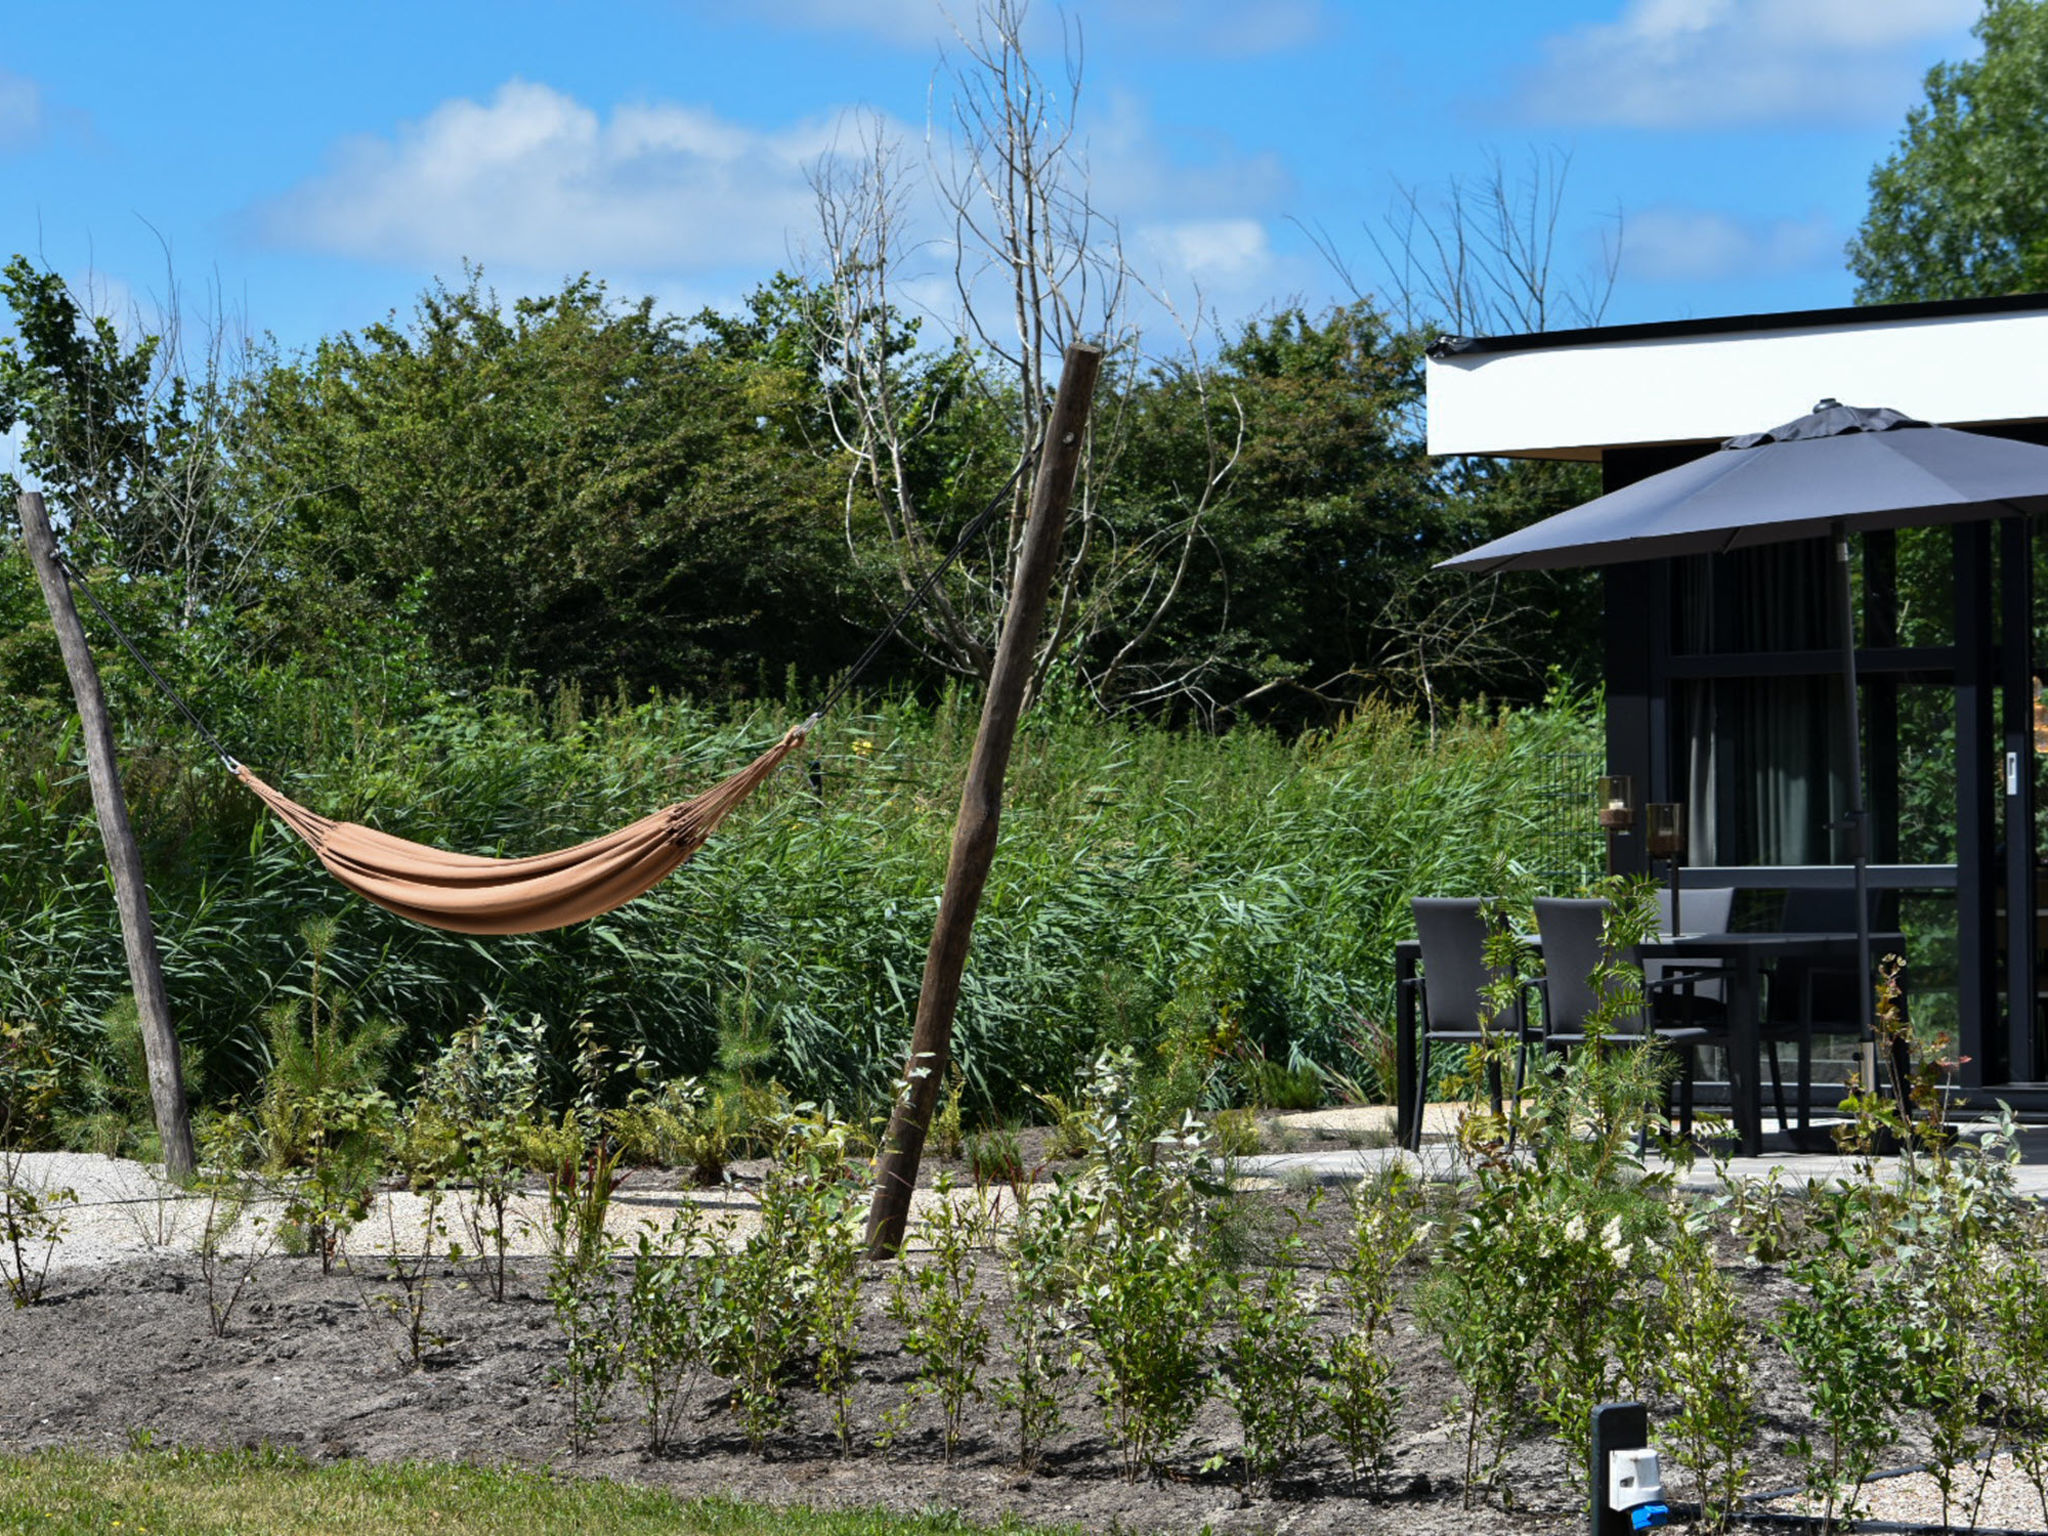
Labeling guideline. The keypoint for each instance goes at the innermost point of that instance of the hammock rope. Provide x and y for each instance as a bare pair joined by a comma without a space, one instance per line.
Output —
468,893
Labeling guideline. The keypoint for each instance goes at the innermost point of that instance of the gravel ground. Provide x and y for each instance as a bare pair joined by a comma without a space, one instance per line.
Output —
2007,1500
122,1346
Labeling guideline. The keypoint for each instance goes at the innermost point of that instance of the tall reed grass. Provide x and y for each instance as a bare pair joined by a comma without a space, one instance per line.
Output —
1138,866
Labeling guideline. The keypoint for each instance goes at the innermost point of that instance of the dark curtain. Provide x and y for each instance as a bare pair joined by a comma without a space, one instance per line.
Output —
1765,765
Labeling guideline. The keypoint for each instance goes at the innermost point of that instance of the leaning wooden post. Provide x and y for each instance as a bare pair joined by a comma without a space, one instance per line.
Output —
981,802
138,932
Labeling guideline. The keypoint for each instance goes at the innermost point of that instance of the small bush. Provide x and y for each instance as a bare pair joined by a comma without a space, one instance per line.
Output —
941,1309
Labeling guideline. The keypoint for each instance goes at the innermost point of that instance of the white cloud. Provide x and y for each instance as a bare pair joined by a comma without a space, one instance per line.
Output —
1714,63
1211,251
1698,244
535,179
22,115
696,208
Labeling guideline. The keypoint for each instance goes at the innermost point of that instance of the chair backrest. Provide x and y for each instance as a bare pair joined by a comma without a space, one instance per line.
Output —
1573,930
1699,911
1823,909
1452,933
1836,1003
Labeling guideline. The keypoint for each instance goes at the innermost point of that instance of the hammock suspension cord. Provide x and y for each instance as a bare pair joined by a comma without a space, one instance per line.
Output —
472,894
78,584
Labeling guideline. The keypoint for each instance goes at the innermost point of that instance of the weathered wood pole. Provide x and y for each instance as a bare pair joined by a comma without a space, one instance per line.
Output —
138,932
981,803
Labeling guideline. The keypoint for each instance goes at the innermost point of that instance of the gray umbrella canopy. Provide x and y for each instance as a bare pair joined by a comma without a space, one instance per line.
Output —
1842,465
1838,470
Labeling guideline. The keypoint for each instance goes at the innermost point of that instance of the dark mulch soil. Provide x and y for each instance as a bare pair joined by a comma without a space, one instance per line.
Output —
315,1363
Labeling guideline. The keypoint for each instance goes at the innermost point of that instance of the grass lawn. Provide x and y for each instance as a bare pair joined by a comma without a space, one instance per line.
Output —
173,1493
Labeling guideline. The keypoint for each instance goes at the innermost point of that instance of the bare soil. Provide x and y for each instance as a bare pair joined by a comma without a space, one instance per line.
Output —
118,1355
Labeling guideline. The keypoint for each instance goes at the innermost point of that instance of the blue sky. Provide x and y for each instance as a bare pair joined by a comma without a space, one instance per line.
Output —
322,164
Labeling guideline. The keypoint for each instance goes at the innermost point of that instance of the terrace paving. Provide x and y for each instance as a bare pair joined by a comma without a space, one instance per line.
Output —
1343,1145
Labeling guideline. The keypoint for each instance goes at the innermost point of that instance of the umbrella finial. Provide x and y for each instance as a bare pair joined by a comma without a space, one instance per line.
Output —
1827,403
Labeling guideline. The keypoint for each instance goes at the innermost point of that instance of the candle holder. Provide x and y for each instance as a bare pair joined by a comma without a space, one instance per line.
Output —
1615,795
1664,837
1614,800
1664,829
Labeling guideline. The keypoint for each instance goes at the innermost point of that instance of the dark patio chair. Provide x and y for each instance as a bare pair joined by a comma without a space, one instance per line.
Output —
1452,1004
1702,911
1809,997
1682,1006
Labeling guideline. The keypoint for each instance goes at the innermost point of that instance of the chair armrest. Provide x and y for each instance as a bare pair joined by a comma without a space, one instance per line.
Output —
1689,978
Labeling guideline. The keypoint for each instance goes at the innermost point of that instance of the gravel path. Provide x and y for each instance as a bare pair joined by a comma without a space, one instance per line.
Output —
120,1211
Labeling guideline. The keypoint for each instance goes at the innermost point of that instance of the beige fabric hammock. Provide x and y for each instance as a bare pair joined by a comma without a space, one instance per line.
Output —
549,890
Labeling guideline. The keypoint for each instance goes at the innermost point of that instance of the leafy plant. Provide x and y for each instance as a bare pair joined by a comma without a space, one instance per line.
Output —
995,1158
2018,1305
230,1194
1360,1398
1537,1290
668,1322
474,1126
940,1308
768,1289
1701,1361
1037,1337
408,1266
32,1220
322,1115
947,1138
1267,1355
1838,1332
592,1317
1145,1286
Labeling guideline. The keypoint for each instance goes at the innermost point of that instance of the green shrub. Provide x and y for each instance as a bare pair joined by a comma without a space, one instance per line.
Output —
1701,1361
1267,1355
1146,1281
937,1302
1360,1398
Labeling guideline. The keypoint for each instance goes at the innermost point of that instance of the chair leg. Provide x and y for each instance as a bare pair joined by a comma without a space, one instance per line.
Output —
1778,1086
1421,1095
1805,1077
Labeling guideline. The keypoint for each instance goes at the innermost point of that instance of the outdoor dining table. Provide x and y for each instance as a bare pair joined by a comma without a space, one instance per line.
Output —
1746,958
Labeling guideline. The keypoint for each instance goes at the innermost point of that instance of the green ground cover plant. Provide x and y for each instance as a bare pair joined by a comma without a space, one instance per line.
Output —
202,1493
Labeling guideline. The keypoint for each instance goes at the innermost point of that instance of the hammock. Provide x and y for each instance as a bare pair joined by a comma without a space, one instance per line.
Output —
549,890
468,894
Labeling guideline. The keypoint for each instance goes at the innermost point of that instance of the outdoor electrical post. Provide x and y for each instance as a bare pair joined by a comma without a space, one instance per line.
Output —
981,804
138,931
1627,1485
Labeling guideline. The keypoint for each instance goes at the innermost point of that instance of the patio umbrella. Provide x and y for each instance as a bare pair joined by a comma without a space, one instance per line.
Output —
1837,470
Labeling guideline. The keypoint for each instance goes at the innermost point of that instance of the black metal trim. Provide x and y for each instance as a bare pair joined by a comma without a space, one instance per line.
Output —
1723,325
1921,663
1808,877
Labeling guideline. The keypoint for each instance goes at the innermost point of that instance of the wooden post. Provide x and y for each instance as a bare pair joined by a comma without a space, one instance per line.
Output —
981,801
138,932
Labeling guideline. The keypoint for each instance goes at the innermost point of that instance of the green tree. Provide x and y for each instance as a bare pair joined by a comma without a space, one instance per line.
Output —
133,442
569,488
1312,585
1960,208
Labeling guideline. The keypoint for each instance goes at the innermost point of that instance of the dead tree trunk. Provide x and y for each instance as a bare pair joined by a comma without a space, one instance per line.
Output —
981,802
138,932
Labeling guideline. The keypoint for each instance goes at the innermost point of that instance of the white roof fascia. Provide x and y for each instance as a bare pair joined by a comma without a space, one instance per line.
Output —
1571,401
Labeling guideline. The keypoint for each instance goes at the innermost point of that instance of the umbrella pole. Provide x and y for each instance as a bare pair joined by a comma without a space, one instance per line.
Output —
1859,817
